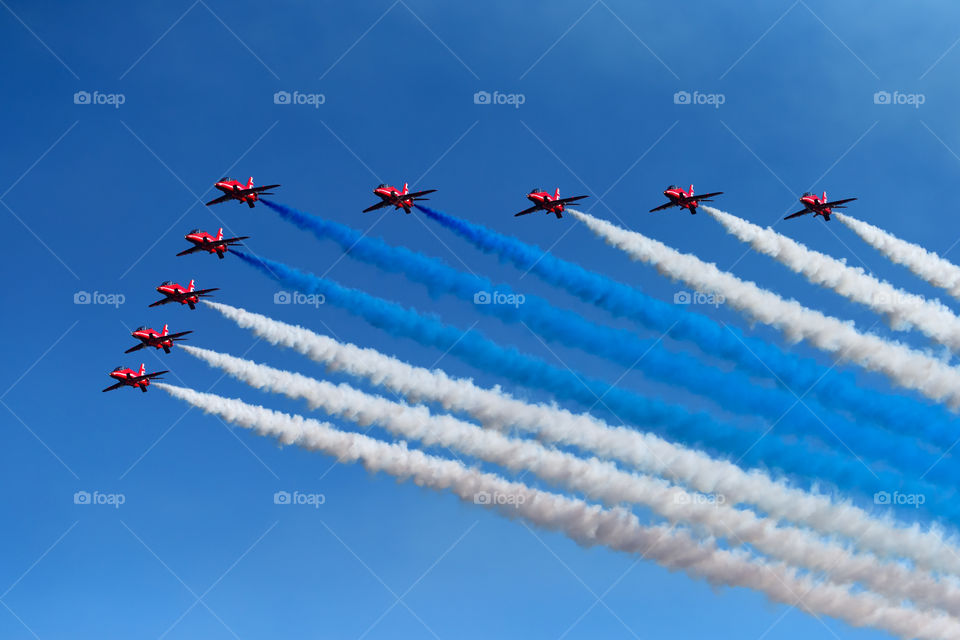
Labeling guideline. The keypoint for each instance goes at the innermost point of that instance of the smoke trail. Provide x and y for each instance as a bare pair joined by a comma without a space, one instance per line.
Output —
903,310
832,388
630,407
732,390
925,264
901,364
597,480
496,409
588,525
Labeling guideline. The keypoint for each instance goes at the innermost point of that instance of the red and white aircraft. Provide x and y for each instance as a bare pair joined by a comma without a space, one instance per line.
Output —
685,199
818,205
399,199
543,201
203,241
158,340
177,293
234,190
127,377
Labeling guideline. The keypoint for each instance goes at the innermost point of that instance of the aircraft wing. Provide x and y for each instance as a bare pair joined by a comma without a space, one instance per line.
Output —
200,292
174,336
223,198
114,386
526,211
147,376
193,249
379,205
160,302
136,348
229,240
568,200
704,196
417,194
258,189
798,214
837,203
664,206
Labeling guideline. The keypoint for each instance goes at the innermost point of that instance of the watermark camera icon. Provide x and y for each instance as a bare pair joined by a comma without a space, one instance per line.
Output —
681,297
482,97
281,497
82,297
81,97
282,297
281,97
881,497
481,297
81,497
881,97
681,97
482,497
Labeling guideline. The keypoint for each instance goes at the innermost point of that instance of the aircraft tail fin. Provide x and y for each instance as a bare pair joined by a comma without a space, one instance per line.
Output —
190,287
220,234
166,330
825,196
691,189
250,183
406,188
143,369
556,194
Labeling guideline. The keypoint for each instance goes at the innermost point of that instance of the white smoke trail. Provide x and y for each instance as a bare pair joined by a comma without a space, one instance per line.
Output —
903,310
925,264
495,408
586,524
600,481
901,364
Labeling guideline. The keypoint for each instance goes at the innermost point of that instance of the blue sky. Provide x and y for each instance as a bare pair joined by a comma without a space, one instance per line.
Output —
97,198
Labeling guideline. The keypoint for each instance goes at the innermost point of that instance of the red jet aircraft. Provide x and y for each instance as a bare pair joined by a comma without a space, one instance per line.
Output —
130,378
177,293
233,190
151,338
543,201
399,199
818,205
203,241
685,199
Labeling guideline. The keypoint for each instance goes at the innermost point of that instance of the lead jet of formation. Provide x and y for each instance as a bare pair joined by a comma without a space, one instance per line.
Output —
543,201
397,198
684,199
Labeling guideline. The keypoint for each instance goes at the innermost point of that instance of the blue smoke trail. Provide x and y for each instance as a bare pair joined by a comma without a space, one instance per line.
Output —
832,388
733,391
815,465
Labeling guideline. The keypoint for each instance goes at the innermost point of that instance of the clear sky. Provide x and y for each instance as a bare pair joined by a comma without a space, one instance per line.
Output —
97,196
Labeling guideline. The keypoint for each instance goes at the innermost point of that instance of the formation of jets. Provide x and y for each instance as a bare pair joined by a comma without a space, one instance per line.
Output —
390,196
